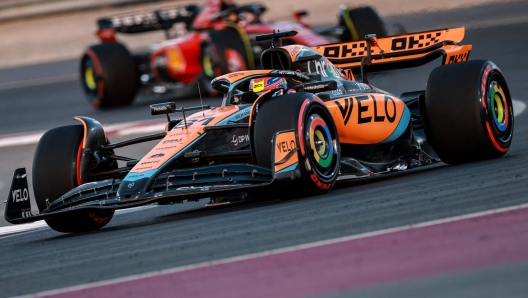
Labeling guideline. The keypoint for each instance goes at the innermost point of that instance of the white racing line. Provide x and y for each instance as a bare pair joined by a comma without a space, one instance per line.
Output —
119,129
39,81
39,225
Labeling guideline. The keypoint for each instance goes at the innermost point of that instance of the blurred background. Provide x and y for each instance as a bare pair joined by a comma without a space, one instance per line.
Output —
37,31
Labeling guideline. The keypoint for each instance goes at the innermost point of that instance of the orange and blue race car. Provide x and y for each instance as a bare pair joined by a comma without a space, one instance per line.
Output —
296,127
202,43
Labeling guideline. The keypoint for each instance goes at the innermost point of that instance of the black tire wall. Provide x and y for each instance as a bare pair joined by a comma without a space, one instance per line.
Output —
460,122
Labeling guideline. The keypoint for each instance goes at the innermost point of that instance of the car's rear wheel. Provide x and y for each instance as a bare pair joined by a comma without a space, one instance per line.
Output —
109,75
56,171
357,22
469,112
317,138
223,52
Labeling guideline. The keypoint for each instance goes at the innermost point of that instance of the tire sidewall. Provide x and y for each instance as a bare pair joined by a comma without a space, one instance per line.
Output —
491,72
313,173
116,75
458,115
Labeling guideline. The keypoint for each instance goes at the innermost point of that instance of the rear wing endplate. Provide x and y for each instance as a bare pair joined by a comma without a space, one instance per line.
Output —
401,51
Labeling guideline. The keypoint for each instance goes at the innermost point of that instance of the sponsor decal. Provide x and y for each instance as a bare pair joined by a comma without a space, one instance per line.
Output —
173,141
243,113
346,51
415,41
286,146
239,140
324,68
233,75
346,111
337,92
176,133
291,73
20,195
133,176
165,148
318,182
389,109
315,87
258,86
143,168
97,219
150,162
196,159
131,184
285,151
136,176
159,109
349,75
458,58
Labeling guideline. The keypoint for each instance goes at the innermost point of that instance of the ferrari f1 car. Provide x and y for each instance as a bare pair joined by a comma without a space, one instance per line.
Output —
203,43
299,125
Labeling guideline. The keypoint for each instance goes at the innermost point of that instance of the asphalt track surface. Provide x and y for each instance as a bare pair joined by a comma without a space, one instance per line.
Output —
166,237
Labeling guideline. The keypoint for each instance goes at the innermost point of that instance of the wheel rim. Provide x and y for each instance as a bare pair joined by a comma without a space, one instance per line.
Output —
90,81
500,110
207,65
89,78
321,143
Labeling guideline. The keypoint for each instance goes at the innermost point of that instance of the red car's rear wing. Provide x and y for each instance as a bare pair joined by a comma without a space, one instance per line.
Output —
145,21
400,51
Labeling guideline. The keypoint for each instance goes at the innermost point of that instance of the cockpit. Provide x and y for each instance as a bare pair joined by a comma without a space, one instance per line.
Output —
248,92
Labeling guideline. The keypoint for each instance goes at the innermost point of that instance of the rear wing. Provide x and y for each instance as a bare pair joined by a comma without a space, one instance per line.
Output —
145,21
401,51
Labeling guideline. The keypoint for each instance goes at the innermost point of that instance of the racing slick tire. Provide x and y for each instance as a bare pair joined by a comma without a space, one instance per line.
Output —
224,52
357,22
468,112
109,75
313,124
55,172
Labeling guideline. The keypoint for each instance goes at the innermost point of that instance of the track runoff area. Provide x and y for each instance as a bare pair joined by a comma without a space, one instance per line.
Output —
472,241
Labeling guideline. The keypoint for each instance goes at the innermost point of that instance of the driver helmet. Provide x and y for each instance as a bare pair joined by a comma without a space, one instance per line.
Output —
267,83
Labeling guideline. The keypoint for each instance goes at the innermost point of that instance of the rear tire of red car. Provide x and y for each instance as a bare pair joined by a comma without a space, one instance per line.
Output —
358,22
317,135
468,111
224,52
109,75
55,172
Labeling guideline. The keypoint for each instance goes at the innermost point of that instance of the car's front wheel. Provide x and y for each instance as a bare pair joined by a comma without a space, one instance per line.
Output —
316,134
56,170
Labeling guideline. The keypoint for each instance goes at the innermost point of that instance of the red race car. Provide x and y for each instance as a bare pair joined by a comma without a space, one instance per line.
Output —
202,43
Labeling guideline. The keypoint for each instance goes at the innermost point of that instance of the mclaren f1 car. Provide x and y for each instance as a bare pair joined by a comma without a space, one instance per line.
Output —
202,43
299,125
